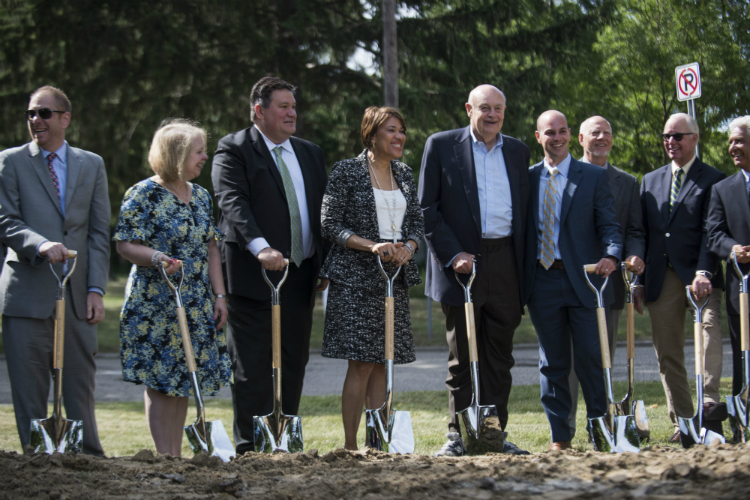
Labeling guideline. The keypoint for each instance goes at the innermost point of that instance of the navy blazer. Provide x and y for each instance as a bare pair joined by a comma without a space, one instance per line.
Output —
727,228
588,228
680,237
450,203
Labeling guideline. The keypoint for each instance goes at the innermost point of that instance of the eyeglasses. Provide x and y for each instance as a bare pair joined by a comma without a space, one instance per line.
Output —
44,113
677,137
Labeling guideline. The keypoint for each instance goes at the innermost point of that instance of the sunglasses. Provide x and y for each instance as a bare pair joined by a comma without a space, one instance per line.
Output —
677,137
44,113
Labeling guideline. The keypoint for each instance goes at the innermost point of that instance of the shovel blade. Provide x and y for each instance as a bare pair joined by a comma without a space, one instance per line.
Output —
641,420
282,433
69,437
708,437
738,419
216,442
621,439
689,431
394,436
481,429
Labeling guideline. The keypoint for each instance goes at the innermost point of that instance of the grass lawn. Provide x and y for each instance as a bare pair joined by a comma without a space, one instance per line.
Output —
122,426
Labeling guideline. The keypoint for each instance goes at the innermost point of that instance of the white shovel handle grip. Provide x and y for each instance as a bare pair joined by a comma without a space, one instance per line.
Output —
187,345
59,334
698,337
744,323
601,319
389,323
471,332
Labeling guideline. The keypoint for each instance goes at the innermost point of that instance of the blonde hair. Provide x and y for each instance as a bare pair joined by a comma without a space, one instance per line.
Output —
171,146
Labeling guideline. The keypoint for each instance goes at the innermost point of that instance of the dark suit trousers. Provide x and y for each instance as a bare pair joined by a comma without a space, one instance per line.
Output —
559,316
29,349
497,313
735,332
249,343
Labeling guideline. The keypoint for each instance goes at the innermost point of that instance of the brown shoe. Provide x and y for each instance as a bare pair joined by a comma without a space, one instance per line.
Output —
559,445
675,437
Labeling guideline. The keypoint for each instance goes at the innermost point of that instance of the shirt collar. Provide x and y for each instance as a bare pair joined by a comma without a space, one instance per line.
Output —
61,154
286,145
685,169
747,176
563,167
476,142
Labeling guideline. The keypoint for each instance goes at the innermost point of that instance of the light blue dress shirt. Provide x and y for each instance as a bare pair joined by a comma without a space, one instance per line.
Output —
493,188
562,180
295,171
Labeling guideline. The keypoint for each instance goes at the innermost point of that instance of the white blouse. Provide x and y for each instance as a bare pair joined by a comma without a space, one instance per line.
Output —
384,218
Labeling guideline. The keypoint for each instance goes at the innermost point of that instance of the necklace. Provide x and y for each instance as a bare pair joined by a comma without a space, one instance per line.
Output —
391,208
185,198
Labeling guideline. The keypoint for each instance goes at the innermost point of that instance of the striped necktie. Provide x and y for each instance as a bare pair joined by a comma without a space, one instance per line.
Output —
50,158
548,234
291,199
676,185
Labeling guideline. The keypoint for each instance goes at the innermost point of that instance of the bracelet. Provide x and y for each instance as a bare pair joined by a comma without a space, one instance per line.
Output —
411,249
221,296
155,258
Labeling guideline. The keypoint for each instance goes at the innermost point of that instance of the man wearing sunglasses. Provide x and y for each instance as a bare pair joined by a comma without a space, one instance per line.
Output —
53,198
675,200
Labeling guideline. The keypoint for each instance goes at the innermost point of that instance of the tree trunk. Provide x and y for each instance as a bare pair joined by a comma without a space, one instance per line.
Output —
390,57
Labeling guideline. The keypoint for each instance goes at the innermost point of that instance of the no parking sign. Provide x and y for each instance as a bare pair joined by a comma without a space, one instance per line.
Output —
688,81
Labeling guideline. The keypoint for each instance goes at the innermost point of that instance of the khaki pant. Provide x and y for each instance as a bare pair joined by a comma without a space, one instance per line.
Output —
668,330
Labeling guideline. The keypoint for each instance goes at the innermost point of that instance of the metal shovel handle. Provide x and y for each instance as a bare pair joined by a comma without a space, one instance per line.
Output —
601,315
59,347
630,306
471,332
389,310
697,330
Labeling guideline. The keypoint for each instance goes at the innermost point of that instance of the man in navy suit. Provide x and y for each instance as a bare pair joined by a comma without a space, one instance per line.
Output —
728,228
572,222
474,192
675,200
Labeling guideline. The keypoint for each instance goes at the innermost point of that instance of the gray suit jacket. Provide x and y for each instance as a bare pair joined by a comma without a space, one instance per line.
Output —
30,213
626,191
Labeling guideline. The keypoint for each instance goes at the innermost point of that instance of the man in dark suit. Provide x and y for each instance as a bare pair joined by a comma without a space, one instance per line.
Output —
474,192
675,200
269,187
53,198
728,227
572,223
595,135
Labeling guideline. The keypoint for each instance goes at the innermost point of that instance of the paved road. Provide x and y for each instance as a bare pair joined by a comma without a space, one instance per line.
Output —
326,376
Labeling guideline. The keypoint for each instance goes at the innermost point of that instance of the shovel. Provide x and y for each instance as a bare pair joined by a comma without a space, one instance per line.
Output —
210,437
56,434
481,424
737,404
277,431
627,406
611,433
386,429
692,430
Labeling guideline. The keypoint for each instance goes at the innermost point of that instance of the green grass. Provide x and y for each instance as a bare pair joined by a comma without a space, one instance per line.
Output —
123,430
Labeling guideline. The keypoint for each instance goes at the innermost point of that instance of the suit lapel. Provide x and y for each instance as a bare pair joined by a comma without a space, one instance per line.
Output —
615,180
509,153
75,164
36,158
260,147
535,175
575,174
465,162
666,189
738,192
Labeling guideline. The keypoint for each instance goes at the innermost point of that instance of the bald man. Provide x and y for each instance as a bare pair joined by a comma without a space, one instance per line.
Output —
675,201
572,222
474,191
595,135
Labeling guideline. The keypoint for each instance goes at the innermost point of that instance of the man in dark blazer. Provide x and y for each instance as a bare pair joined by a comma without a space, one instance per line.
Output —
474,192
53,198
595,135
269,187
728,226
675,200
572,223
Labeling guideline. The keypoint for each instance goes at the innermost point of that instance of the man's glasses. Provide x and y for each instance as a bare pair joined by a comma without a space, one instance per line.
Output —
677,137
44,113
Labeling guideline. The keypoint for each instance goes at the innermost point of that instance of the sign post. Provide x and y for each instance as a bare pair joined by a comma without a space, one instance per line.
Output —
688,78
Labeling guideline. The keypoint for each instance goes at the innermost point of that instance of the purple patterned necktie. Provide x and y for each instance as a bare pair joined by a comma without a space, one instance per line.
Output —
50,159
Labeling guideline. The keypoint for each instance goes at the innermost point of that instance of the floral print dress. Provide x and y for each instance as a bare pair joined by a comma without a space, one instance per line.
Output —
150,344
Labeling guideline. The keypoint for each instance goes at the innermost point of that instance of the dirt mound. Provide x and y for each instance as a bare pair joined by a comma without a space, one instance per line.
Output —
721,471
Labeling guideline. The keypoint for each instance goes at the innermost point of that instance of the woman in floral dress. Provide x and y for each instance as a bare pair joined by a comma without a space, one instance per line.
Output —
166,218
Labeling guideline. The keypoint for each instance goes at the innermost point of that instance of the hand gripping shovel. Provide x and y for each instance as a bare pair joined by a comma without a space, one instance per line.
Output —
737,404
56,433
210,437
691,429
481,424
386,429
277,431
628,406
611,433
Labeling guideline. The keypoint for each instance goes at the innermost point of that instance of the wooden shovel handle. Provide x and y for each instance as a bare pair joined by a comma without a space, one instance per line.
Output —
744,323
59,353
471,332
631,330
187,344
601,319
389,325
591,268
72,254
698,337
276,335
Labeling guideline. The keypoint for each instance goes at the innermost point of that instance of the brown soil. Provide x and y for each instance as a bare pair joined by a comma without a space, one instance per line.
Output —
721,471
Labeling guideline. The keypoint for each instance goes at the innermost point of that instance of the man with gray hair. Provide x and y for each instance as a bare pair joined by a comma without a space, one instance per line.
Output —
675,200
595,135
728,226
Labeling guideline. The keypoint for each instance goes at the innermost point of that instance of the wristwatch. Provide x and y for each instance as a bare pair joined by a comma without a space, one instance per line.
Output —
705,274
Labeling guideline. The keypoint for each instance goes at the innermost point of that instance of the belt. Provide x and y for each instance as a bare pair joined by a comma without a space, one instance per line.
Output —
556,264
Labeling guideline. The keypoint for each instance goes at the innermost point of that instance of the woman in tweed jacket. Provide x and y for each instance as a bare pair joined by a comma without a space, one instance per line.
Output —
370,208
